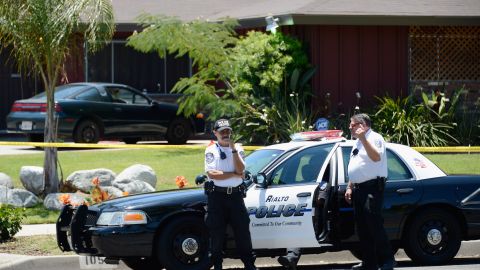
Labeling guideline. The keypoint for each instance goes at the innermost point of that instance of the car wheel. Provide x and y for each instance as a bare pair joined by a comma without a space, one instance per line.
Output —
131,140
87,131
136,263
183,245
433,237
179,131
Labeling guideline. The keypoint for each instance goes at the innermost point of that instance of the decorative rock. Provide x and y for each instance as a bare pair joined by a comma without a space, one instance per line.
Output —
134,187
113,191
6,180
137,172
22,198
52,201
3,194
32,179
82,180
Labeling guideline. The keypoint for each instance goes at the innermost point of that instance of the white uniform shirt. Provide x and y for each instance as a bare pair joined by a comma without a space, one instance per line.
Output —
361,168
213,161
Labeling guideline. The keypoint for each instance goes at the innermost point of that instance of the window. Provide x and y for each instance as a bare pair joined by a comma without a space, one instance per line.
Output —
137,99
303,167
120,95
90,95
397,170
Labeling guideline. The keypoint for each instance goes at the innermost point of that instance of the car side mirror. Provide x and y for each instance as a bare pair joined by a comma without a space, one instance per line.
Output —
154,103
200,179
260,180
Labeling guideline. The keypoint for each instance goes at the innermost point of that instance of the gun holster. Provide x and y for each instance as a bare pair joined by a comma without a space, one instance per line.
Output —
208,186
243,189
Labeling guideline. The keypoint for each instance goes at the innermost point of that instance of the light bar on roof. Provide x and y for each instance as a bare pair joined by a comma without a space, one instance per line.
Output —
317,135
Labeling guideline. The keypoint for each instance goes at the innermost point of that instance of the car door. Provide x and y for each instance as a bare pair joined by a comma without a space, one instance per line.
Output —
402,192
281,213
132,113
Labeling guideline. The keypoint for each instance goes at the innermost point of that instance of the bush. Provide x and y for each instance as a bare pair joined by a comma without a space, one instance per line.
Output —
10,220
402,121
272,75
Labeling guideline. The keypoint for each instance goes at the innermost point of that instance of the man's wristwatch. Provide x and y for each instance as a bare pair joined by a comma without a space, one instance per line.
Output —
234,151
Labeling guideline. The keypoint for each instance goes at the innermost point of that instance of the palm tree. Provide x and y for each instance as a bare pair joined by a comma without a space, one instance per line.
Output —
41,35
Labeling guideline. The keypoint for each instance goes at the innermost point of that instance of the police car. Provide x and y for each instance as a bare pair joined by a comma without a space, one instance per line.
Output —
427,213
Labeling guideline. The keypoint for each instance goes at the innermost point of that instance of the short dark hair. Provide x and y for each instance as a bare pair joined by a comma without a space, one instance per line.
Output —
362,118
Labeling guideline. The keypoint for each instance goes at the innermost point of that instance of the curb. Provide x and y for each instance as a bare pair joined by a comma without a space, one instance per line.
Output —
70,262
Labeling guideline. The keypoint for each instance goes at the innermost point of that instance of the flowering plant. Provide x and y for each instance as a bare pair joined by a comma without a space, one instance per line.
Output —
181,181
97,194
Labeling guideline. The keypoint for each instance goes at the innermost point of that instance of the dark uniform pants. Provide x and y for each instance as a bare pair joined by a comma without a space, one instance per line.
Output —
230,209
367,204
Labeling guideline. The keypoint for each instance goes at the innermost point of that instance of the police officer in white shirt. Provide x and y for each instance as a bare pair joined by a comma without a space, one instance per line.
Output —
367,172
225,167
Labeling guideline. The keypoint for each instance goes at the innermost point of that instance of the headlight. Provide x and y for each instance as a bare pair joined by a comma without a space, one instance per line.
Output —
122,218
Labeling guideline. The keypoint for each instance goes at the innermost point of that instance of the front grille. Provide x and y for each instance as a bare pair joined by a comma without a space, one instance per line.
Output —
92,217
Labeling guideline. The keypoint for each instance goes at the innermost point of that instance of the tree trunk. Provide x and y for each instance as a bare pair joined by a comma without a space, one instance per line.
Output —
50,174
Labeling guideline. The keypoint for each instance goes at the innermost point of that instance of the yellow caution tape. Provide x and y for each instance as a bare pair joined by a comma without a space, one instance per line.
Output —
113,145
447,149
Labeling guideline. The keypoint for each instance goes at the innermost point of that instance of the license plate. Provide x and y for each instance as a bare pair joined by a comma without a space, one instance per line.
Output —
26,125
94,262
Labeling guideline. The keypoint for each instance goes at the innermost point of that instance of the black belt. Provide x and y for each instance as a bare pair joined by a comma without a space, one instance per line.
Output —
228,190
371,183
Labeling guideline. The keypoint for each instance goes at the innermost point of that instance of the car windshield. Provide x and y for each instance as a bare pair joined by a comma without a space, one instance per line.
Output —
257,160
61,92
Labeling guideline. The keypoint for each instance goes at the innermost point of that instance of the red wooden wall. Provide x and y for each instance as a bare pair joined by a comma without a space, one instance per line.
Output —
372,60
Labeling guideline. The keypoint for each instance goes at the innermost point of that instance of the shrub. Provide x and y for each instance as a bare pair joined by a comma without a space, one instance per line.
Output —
10,220
402,121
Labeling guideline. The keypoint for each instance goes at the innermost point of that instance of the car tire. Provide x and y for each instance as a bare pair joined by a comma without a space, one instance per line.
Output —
178,131
136,263
87,131
433,237
183,244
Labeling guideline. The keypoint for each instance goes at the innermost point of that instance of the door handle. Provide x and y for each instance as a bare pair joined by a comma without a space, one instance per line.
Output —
117,109
404,190
304,194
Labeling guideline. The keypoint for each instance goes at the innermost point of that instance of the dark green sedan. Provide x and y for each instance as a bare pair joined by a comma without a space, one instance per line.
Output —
89,112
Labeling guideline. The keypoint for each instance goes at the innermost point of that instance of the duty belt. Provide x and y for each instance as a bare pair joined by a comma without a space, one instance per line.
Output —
371,183
228,190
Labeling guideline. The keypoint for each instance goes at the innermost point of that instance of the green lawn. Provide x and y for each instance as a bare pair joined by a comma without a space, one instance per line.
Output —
167,163
457,163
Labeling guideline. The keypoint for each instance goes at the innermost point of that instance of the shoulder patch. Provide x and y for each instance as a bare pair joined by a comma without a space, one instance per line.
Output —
209,158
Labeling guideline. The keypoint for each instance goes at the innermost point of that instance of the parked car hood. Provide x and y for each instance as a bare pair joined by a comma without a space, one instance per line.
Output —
149,201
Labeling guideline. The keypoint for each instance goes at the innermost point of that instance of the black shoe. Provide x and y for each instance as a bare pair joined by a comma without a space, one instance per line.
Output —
287,262
389,265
